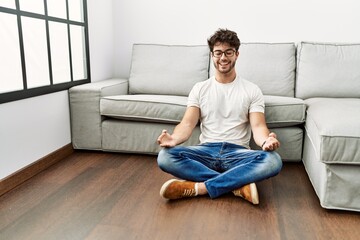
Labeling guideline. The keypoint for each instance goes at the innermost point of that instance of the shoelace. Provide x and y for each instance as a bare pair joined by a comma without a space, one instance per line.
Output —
189,192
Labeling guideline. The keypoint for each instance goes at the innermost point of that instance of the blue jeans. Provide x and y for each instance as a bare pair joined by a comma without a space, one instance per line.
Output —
222,166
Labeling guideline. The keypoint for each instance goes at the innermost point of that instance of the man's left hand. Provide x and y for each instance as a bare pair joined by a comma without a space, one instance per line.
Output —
271,143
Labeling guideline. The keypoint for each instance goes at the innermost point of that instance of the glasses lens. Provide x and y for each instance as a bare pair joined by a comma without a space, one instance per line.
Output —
217,53
229,53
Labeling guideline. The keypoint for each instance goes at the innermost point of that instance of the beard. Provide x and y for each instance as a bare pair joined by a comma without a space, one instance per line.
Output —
225,66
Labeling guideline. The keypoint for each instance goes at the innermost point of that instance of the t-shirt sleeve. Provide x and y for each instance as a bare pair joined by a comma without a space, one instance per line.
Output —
257,104
193,99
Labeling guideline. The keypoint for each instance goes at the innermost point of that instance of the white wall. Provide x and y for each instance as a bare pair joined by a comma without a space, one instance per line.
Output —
101,38
32,128
193,21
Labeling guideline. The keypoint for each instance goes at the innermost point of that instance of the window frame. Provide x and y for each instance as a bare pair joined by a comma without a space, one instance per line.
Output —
51,88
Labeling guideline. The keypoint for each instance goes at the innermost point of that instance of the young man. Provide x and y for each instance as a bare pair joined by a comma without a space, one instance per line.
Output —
229,108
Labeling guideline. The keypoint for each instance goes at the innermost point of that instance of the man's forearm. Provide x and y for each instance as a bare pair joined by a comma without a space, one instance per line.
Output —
261,135
182,133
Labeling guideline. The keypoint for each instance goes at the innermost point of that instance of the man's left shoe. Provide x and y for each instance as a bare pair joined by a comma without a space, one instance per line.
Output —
248,192
175,189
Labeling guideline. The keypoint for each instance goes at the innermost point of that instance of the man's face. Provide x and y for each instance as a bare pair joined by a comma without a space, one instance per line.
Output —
224,57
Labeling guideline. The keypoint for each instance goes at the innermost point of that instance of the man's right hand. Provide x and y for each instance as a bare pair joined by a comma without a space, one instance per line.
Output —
166,140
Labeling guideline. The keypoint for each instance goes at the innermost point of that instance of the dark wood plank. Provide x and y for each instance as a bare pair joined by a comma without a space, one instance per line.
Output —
96,195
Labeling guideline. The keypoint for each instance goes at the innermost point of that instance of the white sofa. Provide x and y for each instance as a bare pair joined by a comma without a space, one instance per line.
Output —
328,79
127,115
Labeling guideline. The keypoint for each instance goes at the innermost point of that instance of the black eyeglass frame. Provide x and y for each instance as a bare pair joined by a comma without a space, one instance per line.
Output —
228,53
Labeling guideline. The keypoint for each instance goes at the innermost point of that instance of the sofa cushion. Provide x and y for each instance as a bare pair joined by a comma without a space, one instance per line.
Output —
168,70
280,111
284,111
271,66
155,108
332,125
328,70
132,136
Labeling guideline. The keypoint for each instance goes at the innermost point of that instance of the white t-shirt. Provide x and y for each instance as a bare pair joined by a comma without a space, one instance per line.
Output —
225,108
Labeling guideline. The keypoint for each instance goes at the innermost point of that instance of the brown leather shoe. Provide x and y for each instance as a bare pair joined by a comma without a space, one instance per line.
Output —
248,192
175,189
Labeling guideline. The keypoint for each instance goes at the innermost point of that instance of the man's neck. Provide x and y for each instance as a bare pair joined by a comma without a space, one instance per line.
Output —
225,77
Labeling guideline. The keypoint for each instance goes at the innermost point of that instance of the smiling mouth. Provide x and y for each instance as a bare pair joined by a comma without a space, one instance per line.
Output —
224,64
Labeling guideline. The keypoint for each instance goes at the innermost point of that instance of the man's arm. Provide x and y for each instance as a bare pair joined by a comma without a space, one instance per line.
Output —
182,131
262,136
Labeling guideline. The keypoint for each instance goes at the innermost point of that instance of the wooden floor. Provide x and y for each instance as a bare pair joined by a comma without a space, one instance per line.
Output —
95,195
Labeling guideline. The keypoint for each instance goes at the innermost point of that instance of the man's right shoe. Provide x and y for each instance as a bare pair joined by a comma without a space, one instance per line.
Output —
248,192
175,189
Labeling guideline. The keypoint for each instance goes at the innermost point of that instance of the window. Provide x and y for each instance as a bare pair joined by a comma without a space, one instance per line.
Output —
44,47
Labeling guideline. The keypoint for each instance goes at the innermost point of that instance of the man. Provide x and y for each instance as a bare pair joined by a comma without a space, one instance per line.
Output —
229,108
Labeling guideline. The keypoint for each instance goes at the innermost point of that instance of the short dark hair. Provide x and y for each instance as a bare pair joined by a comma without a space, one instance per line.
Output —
224,36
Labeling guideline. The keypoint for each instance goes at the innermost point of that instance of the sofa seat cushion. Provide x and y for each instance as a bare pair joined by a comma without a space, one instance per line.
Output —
284,111
154,108
333,127
280,111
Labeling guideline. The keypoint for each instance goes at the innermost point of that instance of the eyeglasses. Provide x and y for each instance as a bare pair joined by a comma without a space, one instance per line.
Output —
219,53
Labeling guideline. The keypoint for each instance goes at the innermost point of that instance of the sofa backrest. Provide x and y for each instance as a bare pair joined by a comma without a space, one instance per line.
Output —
167,69
328,70
271,66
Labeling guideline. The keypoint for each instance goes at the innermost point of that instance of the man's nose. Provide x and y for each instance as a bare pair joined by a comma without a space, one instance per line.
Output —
223,56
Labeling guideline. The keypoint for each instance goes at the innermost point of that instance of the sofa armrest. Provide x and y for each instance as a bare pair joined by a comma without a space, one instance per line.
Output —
85,111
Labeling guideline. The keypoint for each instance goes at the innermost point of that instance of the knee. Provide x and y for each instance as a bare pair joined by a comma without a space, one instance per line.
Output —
163,159
275,161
